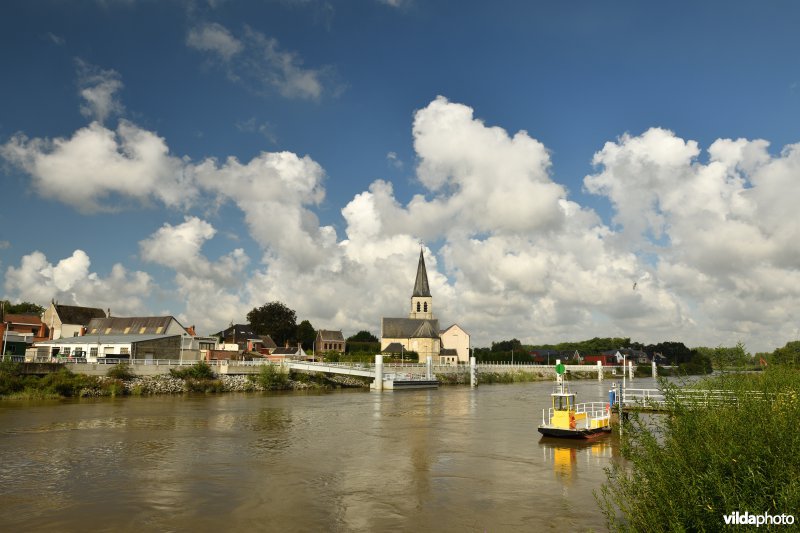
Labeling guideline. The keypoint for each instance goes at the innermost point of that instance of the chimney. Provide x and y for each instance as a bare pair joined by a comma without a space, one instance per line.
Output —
83,330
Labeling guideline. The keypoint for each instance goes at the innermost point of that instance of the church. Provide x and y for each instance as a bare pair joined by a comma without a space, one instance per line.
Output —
420,332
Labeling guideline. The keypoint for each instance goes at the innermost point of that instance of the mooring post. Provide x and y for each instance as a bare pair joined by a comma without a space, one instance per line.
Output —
429,368
378,372
599,371
655,371
473,373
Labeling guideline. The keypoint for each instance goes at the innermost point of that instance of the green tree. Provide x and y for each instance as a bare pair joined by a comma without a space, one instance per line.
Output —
22,308
507,346
363,336
788,355
306,334
274,319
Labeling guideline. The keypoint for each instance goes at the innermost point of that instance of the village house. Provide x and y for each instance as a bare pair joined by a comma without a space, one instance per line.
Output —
329,341
68,320
136,338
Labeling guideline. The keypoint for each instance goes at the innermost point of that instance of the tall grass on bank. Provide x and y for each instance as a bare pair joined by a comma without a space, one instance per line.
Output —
61,384
686,470
272,377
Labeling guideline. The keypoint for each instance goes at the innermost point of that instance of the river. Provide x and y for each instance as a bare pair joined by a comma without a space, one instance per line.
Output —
452,459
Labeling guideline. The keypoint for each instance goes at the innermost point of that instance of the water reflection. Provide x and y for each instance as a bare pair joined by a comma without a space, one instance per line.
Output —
568,456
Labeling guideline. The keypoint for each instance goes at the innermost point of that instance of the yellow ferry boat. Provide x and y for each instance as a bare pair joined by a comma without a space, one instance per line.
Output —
568,419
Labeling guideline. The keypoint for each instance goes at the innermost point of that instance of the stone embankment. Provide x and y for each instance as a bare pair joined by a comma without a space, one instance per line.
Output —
164,384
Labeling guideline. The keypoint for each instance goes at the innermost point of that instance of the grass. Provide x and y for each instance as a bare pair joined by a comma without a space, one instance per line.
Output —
685,471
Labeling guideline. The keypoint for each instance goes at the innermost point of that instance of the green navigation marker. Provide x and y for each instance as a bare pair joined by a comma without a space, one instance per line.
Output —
560,368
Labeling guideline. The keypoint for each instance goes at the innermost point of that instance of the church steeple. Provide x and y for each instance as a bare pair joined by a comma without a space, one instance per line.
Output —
421,300
421,284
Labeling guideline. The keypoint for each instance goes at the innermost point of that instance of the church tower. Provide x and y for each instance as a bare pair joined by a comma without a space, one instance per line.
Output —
421,300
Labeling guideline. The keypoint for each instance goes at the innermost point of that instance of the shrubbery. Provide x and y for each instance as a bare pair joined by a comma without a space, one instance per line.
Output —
199,370
122,371
686,470
271,377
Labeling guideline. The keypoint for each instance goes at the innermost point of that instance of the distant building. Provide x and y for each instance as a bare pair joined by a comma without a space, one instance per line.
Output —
146,347
457,340
248,340
68,320
329,341
140,325
295,353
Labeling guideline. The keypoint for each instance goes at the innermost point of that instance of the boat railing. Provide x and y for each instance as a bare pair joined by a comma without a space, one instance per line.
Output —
593,410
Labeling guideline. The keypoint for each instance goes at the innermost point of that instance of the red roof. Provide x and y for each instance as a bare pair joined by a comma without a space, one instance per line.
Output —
33,320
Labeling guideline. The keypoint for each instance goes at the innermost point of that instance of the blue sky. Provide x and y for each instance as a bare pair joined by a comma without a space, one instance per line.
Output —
454,103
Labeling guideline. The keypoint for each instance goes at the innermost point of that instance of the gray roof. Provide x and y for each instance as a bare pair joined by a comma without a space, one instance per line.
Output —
286,351
133,325
421,283
330,335
105,339
267,341
394,347
407,328
76,315
448,351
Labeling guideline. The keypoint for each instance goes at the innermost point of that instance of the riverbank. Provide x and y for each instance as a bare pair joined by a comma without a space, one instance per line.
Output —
121,381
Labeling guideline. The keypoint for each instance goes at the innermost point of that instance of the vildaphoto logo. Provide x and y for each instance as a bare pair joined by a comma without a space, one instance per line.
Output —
763,519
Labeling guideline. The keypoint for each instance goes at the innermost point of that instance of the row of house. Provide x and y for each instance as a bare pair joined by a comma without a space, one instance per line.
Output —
67,331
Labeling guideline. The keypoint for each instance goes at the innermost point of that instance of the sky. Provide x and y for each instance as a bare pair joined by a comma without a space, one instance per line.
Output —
570,169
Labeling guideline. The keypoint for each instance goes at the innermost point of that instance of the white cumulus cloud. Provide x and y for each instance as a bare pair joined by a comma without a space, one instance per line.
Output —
71,281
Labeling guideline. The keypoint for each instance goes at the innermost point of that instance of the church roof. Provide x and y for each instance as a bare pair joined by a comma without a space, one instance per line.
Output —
407,328
393,347
421,283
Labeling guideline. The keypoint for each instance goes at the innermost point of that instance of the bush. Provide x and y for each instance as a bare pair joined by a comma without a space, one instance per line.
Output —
65,383
687,470
10,379
271,377
204,385
200,370
122,371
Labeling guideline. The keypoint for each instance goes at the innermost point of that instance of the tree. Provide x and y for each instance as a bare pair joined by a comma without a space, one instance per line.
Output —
788,355
363,336
306,334
507,346
274,319
22,308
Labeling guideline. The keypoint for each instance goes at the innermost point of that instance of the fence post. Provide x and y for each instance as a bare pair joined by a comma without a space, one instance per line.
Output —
599,371
473,373
378,372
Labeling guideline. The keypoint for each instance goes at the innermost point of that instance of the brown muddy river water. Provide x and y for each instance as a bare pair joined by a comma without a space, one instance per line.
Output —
452,459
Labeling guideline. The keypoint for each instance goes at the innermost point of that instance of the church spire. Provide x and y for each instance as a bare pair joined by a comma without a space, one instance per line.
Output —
421,283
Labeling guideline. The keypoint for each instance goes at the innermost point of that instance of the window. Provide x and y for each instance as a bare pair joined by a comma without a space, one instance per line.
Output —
66,351
124,351
94,330
426,307
142,330
108,330
93,352
159,329
75,334
127,330
417,307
